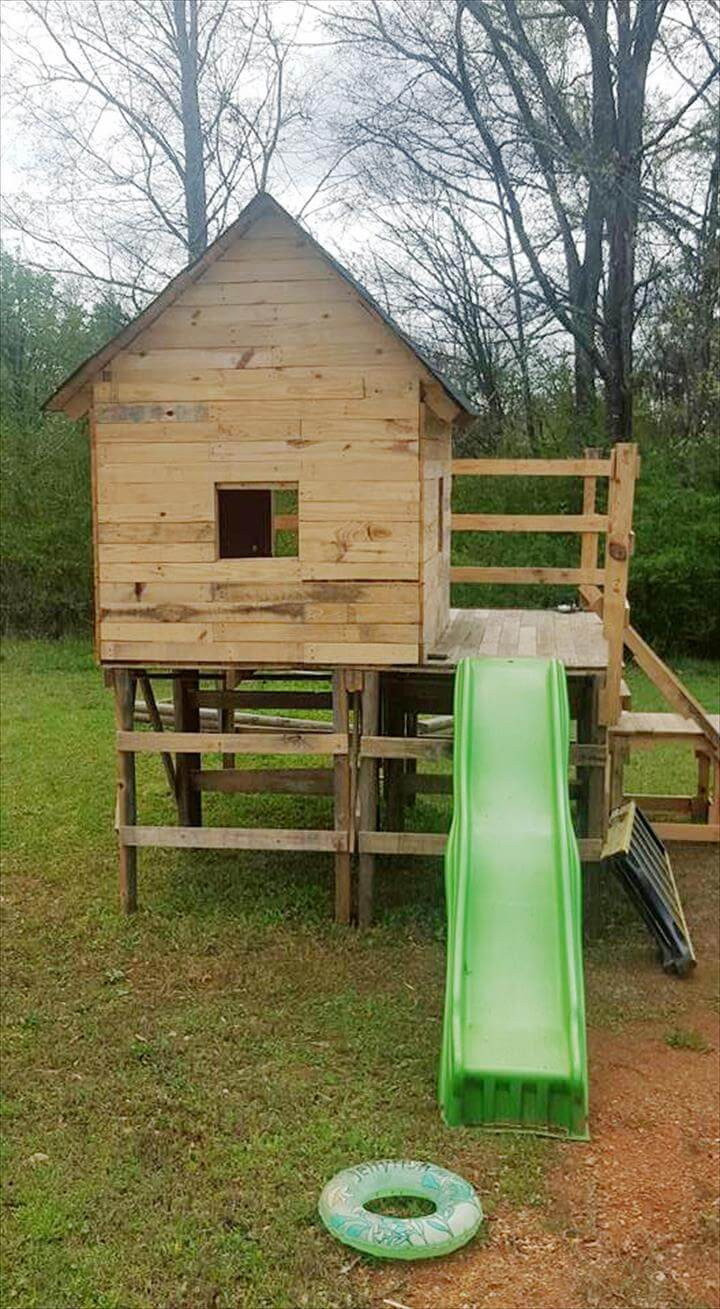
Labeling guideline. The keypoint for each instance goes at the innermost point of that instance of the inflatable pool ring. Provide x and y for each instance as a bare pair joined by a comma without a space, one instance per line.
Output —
455,1220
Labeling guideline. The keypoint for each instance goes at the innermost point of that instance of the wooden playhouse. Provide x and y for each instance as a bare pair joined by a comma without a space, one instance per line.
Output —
272,474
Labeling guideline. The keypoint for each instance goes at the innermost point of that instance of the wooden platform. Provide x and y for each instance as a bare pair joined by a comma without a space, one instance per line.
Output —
576,638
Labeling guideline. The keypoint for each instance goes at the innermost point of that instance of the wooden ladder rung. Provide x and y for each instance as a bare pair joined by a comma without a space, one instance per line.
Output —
660,727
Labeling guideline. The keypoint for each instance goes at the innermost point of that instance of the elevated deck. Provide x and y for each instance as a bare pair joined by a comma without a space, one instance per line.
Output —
576,637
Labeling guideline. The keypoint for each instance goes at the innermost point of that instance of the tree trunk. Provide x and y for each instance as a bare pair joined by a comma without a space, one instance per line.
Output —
194,173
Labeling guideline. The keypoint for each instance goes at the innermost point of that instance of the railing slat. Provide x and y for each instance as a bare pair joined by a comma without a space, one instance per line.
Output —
579,523
531,467
532,576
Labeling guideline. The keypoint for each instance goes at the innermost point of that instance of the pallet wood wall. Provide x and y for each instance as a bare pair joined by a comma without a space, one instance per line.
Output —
269,369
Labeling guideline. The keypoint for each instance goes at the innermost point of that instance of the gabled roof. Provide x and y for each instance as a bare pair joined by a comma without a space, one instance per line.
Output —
262,204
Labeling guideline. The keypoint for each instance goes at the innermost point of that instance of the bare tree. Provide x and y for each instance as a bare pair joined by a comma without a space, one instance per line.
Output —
547,103
150,120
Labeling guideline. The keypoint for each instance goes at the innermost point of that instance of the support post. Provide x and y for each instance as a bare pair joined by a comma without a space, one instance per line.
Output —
619,756
714,812
156,723
593,796
409,794
126,805
700,807
621,496
368,796
226,715
393,769
590,540
187,719
343,806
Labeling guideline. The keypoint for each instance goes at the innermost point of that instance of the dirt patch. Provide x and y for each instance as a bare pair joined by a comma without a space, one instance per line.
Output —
631,1219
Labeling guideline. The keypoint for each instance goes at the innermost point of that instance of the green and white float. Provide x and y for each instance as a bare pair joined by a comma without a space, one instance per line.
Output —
454,1221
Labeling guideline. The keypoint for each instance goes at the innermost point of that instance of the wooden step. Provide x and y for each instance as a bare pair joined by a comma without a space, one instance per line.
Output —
655,728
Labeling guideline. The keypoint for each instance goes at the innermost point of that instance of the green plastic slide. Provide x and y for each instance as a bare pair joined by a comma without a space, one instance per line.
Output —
513,1051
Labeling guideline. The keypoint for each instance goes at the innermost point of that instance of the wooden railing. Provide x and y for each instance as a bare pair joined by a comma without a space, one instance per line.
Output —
602,587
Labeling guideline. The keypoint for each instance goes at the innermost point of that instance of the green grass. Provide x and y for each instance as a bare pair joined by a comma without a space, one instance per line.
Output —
687,1038
178,1086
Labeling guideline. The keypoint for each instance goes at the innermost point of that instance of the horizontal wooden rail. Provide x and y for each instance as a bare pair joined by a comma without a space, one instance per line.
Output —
236,838
528,576
441,747
709,832
577,523
433,843
285,522
265,781
662,804
261,699
531,467
406,747
646,729
324,743
426,783
402,842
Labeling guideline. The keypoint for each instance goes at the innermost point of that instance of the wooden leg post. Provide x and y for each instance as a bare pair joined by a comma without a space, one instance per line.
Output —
593,797
701,799
368,797
394,769
227,716
409,794
618,546
343,810
126,807
619,756
187,719
714,812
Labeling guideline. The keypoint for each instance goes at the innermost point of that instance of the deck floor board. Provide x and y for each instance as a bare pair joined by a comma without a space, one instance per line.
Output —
576,638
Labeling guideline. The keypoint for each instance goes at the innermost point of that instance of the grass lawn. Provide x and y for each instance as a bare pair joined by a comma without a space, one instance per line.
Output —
179,1085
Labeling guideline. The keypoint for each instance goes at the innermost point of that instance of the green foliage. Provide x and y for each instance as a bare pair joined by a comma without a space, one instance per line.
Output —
687,1038
45,530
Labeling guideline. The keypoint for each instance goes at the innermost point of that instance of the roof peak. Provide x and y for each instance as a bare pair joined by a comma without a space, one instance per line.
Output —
69,395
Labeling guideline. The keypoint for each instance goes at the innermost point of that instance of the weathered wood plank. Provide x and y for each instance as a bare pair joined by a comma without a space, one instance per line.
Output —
694,832
433,843
342,792
420,843
621,496
531,467
265,781
234,838
255,743
541,576
405,747
241,699
367,798
126,802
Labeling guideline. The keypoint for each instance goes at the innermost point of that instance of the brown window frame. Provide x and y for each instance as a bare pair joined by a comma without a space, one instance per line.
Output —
275,518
